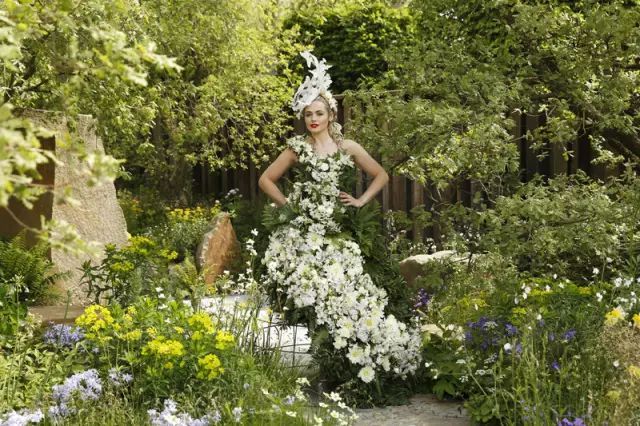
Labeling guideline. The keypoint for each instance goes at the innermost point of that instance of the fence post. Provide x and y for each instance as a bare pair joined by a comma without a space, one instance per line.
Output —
417,199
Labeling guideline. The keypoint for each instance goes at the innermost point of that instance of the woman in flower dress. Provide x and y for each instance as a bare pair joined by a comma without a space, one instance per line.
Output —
311,260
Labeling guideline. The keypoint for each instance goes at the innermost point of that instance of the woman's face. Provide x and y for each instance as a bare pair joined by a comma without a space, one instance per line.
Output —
316,117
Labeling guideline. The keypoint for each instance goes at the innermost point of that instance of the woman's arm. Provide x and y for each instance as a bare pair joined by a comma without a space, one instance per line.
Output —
267,181
371,167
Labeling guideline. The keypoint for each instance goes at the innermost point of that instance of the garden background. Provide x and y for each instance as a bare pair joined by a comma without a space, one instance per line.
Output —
511,131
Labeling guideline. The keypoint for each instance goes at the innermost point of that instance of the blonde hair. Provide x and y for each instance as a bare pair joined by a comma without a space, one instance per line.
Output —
335,129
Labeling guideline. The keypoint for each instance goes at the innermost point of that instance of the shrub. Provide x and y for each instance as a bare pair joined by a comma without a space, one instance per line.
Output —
32,266
125,273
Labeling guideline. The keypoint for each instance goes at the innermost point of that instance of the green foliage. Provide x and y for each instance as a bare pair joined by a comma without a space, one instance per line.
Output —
353,36
365,225
521,347
228,106
32,266
447,99
567,226
28,368
12,311
64,55
184,229
142,209
140,268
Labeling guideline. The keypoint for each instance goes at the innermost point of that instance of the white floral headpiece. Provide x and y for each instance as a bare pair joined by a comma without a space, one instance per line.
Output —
317,85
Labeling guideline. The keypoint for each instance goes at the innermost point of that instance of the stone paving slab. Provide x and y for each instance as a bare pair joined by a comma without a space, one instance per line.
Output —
57,314
422,410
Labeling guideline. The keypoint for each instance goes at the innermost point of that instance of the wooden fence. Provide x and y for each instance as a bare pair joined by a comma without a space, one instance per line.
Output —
404,194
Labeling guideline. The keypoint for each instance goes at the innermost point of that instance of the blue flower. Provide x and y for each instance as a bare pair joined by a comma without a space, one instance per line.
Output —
63,335
118,378
85,385
511,329
577,421
518,348
569,335
422,299
555,366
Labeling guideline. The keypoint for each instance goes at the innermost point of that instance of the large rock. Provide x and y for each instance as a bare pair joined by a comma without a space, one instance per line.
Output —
97,217
422,265
218,249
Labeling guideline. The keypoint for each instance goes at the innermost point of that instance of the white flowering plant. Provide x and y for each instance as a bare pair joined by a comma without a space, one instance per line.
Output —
319,270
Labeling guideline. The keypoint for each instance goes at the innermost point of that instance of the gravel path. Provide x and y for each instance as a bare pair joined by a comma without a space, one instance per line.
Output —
423,410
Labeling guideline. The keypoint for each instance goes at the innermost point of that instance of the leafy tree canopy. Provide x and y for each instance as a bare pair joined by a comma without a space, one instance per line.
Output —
352,35
57,55
447,98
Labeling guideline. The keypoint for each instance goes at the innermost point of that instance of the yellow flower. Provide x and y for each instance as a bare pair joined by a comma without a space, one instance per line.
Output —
132,336
124,266
615,315
636,321
127,320
585,291
201,321
168,365
613,395
95,319
162,347
210,367
179,329
168,254
224,340
519,311
151,331
634,370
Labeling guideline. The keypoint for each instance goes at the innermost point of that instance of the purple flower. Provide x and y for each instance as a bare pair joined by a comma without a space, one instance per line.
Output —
422,299
569,335
555,366
118,378
552,337
85,385
518,348
63,335
511,329
577,421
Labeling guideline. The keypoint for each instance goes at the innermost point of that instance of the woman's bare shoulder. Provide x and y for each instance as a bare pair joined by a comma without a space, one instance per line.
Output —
351,147
289,154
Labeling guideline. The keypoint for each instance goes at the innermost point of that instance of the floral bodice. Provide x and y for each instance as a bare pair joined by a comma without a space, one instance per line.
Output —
318,181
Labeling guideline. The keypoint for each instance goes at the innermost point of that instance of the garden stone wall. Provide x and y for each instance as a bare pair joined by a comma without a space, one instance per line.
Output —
97,217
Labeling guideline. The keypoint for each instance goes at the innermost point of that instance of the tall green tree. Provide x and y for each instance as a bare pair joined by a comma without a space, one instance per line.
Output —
447,99
353,35
230,104
55,55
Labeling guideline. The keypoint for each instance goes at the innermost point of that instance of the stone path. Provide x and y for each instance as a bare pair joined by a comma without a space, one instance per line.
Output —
423,410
